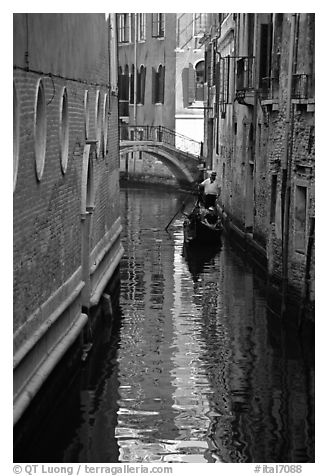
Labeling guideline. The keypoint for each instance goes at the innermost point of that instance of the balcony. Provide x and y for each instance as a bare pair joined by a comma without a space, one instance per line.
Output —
303,86
269,92
303,91
245,80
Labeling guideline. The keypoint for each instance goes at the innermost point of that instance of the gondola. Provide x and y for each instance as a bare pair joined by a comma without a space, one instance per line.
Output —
202,225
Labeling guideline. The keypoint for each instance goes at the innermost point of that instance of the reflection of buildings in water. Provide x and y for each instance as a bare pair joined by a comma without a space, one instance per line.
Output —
209,298
146,346
190,384
265,419
94,440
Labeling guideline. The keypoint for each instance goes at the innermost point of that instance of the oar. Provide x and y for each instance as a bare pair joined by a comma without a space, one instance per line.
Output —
179,211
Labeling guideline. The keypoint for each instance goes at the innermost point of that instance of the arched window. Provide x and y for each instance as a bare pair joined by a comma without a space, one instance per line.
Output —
16,134
158,84
40,129
141,84
200,79
63,130
195,83
132,85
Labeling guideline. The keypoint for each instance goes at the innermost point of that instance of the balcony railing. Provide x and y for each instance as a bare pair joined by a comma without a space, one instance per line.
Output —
303,86
244,71
269,88
160,134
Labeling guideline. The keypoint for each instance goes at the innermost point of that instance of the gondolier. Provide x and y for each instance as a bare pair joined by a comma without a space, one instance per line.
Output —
211,190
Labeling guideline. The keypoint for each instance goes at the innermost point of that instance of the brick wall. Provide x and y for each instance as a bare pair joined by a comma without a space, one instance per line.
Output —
48,226
268,119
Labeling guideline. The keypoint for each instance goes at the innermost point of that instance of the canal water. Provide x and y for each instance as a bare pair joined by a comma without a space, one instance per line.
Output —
197,369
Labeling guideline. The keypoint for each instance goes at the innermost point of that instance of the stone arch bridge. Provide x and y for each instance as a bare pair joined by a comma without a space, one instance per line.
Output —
179,153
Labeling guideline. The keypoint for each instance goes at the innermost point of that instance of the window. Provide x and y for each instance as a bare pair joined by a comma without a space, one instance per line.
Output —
63,130
40,129
123,91
124,27
300,218
158,85
158,25
199,24
265,55
141,20
224,80
217,141
141,84
200,79
16,134
196,80
132,85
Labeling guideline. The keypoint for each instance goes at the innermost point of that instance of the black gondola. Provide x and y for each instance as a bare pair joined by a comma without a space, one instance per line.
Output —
202,225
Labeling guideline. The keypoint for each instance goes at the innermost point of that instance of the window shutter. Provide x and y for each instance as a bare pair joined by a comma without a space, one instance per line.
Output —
217,87
191,84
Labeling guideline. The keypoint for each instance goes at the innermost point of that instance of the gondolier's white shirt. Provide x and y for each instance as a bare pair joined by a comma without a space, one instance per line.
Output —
211,187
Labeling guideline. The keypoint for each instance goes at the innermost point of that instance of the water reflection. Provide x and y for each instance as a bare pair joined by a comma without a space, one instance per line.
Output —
199,371
225,390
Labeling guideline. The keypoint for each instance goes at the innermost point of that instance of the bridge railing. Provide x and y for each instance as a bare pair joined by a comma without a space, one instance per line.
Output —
160,134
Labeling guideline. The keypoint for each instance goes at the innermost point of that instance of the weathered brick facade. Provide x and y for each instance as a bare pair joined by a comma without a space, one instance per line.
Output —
55,254
259,135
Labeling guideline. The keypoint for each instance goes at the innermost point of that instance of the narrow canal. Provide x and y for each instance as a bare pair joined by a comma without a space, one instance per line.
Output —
198,369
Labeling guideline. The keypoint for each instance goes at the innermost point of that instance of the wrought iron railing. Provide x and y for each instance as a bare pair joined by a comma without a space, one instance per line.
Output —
244,73
269,88
160,134
303,86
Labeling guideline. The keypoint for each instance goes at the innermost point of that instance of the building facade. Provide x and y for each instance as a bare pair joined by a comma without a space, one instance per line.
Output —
161,82
66,186
259,136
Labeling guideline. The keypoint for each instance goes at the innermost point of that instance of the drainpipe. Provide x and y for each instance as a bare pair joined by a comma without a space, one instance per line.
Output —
27,61
135,69
109,29
255,108
286,169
